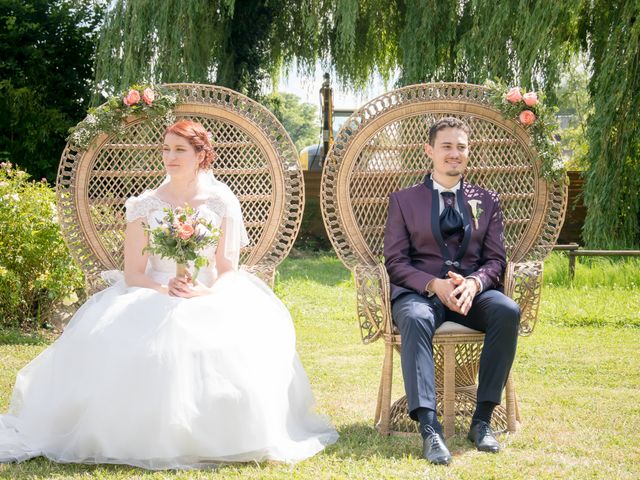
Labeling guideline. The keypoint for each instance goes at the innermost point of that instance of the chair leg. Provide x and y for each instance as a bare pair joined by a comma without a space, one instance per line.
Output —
513,413
379,403
449,394
383,409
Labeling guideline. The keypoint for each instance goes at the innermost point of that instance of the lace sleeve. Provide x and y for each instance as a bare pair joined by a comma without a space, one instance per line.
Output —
138,207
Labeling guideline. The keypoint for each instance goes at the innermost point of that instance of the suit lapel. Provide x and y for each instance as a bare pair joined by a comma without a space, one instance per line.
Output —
435,216
463,206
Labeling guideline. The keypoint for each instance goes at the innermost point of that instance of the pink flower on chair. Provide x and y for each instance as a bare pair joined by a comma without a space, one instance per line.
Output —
530,98
132,97
148,96
514,95
527,117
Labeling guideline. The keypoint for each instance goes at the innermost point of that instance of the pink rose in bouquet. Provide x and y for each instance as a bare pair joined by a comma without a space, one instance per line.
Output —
181,235
527,117
514,95
185,231
148,96
132,97
530,98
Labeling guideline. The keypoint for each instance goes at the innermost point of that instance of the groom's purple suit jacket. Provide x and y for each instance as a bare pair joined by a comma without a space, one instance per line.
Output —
415,252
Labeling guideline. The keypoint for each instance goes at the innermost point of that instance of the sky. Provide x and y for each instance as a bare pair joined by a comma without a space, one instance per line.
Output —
308,89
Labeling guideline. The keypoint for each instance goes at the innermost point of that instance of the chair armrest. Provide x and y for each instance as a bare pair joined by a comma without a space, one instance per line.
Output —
94,283
374,309
265,272
523,283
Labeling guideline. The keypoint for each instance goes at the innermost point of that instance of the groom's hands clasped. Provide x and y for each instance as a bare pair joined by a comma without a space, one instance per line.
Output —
464,293
455,292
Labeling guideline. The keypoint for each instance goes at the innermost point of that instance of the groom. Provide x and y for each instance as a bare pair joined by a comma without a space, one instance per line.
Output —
444,252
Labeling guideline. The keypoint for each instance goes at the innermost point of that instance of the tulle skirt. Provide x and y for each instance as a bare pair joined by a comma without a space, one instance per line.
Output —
159,382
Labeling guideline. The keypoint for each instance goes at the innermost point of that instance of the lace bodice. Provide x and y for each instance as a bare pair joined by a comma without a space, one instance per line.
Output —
151,208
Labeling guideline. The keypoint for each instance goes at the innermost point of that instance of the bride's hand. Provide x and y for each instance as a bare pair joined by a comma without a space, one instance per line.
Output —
184,287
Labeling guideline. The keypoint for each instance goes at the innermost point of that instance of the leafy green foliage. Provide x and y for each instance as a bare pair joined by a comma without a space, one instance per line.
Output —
233,44
242,44
300,120
612,180
36,270
46,58
142,101
542,130
574,104
524,43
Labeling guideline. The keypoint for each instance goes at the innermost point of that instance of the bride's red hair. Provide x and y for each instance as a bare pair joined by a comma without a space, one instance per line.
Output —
197,136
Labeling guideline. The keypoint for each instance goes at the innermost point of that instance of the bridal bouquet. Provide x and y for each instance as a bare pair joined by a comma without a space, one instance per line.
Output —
179,236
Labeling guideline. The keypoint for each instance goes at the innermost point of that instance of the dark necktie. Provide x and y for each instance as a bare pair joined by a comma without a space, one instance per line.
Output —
450,219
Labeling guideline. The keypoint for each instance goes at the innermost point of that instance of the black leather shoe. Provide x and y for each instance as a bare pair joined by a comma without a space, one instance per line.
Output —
482,436
434,448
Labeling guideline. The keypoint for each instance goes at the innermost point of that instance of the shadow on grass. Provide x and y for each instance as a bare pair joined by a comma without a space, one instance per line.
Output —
362,441
323,268
358,441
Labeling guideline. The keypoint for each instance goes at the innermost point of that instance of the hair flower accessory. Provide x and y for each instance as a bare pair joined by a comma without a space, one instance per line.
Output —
475,211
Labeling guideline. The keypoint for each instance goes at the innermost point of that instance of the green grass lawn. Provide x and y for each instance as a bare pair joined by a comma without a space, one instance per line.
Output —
577,377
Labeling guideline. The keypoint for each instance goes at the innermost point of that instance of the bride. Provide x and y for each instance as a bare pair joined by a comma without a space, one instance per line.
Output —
162,372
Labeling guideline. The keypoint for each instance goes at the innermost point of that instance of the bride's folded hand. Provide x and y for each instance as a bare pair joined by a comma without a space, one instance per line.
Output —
186,288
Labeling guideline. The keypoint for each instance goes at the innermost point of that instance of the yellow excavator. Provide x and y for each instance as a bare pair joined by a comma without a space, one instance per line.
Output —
312,157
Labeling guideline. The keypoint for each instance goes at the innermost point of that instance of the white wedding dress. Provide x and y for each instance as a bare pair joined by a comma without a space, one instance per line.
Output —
159,382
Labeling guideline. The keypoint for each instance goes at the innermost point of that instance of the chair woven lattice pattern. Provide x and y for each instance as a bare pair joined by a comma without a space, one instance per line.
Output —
379,150
255,158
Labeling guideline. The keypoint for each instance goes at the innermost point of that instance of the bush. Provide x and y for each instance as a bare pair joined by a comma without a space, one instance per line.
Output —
36,271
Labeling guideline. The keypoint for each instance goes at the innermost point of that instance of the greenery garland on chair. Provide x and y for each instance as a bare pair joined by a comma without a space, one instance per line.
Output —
537,118
145,101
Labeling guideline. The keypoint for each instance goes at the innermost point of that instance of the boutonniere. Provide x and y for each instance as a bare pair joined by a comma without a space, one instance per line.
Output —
476,211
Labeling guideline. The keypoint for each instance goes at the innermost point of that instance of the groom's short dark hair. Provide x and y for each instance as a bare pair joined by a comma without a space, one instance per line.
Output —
447,122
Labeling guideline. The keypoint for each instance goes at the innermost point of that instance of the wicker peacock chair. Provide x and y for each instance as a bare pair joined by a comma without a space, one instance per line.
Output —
255,158
379,150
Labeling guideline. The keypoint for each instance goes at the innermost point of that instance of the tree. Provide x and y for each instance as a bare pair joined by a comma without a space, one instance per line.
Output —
300,120
611,32
46,56
239,45
574,104
243,44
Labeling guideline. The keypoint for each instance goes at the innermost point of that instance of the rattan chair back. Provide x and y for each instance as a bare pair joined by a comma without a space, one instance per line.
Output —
255,158
380,149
